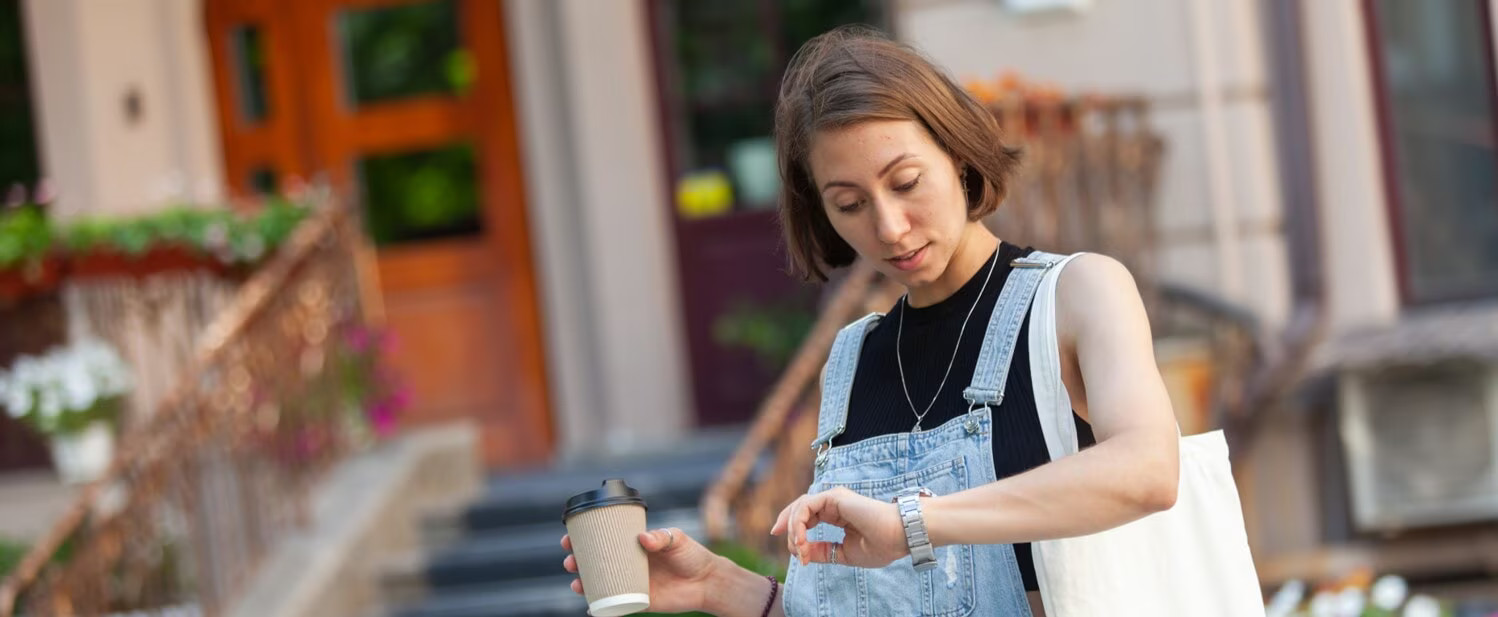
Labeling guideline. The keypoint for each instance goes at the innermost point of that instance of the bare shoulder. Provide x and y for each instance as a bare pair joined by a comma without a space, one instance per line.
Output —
1096,290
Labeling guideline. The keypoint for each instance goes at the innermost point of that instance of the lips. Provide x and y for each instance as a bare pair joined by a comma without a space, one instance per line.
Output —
911,260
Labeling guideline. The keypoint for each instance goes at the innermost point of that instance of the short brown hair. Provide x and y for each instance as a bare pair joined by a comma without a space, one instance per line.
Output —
855,74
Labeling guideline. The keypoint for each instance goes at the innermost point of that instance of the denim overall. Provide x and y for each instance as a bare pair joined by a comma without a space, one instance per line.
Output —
956,456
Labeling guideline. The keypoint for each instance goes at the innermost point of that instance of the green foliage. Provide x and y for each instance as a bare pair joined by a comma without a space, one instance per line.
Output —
772,331
11,553
231,236
25,236
74,421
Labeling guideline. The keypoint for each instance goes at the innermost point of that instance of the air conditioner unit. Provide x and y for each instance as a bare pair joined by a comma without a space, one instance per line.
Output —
1421,444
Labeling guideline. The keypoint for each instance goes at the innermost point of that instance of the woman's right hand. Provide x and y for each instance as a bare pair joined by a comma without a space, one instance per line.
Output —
680,570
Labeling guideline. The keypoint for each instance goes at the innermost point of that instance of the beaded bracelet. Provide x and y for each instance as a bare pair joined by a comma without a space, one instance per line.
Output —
774,591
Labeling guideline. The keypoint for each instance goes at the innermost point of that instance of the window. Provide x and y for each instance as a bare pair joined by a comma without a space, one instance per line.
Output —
1433,64
403,51
721,63
421,194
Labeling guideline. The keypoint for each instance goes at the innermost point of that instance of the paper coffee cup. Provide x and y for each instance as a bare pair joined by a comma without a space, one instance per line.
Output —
605,525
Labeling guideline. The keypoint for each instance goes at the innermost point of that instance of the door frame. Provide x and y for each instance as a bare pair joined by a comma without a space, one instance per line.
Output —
303,90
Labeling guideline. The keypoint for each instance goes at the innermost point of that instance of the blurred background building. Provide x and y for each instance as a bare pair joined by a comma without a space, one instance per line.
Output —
570,210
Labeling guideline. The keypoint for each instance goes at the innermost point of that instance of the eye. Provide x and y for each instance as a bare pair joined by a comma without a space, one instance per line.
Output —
849,207
908,186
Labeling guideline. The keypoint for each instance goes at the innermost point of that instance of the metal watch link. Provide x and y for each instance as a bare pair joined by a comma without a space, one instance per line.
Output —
922,555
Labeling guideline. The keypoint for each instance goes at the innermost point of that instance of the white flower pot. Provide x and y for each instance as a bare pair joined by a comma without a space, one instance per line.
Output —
84,456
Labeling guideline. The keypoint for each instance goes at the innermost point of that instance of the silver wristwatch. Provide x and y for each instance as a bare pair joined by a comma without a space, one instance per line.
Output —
922,555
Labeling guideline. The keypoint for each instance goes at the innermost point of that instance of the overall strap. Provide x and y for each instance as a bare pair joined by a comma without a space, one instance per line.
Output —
837,383
992,370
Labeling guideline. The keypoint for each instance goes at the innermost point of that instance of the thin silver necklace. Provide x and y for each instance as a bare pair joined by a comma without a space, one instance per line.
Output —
905,301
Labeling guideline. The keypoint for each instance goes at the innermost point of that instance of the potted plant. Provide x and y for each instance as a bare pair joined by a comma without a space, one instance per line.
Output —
26,260
72,395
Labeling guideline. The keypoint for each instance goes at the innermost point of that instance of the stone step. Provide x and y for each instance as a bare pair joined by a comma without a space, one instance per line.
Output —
532,500
542,596
495,556
500,556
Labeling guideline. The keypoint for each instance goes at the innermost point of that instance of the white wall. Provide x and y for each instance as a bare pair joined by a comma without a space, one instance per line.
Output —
1201,63
86,57
1357,251
587,105
594,167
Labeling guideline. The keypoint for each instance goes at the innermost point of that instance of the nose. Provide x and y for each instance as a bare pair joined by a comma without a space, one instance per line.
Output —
890,222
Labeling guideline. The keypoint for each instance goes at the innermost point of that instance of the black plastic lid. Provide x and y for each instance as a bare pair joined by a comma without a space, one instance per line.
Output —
613,493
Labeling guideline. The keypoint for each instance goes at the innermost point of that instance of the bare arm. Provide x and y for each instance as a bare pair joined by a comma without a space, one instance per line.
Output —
739,592
1109,368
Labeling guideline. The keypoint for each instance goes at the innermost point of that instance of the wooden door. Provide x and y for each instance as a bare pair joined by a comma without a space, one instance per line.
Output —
405,107
718,66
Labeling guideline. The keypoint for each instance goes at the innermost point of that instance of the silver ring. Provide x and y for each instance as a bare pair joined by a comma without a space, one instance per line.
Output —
832,555
672,540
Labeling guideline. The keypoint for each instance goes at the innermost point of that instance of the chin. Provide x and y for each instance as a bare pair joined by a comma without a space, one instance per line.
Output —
910,280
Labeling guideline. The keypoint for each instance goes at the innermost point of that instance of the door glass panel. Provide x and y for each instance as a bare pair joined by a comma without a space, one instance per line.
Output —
1436,59
263,181
420,194
404,51
249,59
18,154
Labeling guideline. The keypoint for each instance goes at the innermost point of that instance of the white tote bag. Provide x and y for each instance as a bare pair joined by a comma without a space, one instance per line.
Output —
1190,561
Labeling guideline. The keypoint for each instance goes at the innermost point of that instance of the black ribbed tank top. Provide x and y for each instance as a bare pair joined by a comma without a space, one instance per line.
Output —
877,405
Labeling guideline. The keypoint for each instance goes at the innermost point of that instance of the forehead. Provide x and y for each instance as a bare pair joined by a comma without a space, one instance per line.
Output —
865,148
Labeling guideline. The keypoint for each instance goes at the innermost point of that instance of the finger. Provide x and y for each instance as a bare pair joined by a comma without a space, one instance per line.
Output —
790,535
577,586
821,552
567,543
658,540
803,514
780,519
816,510
570,564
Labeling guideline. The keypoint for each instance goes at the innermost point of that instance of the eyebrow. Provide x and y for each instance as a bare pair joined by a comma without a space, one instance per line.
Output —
883,172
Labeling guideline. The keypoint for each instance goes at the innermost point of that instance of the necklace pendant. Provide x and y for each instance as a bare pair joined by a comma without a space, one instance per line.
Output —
917,428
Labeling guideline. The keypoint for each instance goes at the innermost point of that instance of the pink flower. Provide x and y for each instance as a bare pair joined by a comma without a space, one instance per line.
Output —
358,338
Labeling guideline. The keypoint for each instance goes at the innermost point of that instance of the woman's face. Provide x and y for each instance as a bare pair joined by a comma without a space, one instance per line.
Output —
895,196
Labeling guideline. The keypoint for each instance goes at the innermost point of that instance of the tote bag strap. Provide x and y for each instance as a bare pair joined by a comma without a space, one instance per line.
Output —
1052,401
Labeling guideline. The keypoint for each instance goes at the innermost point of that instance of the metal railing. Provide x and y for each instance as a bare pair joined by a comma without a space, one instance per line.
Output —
206,484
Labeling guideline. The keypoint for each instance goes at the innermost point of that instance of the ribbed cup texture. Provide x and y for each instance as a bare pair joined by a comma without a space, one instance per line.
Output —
609,557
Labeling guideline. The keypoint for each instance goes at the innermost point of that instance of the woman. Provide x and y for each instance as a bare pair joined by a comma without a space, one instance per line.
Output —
884,157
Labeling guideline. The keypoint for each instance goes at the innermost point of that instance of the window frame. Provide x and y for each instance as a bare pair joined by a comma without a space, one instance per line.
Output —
1389,155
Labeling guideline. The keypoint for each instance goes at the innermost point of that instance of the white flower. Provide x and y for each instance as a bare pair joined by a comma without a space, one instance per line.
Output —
216,236
6,400
67,379
78,391
1389,592
1350,602
253,248
1422,606
1286,599
1324,604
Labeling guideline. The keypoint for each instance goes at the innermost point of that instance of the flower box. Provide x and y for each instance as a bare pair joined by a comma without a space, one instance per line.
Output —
108,263
25,281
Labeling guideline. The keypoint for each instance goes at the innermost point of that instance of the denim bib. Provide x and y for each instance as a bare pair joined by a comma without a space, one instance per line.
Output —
958,455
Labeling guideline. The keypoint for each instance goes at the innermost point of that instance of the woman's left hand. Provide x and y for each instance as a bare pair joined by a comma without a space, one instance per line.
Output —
873,537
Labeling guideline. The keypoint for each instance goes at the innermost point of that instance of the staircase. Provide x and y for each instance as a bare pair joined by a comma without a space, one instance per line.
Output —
501,557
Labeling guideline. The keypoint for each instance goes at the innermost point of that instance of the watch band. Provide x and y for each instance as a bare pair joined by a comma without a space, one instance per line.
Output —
922,554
